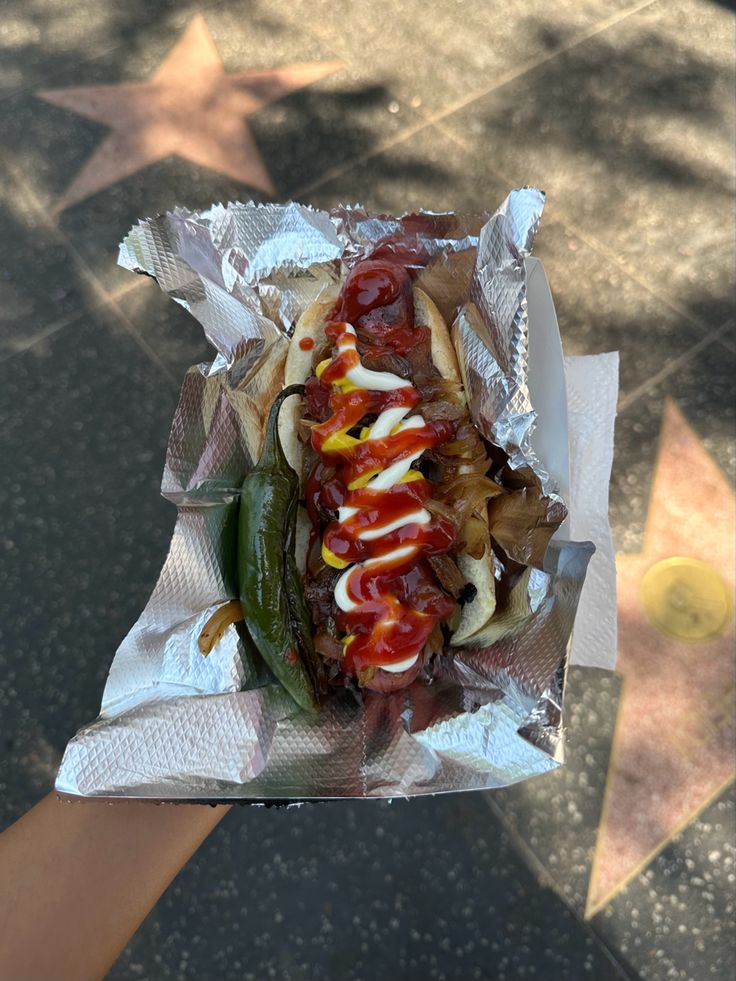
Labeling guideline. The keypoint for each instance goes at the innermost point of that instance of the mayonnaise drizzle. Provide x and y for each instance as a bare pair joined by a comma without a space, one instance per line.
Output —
398,666
342,596
420,517
372,381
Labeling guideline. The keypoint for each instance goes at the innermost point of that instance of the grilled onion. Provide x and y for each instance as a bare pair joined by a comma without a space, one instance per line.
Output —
327,646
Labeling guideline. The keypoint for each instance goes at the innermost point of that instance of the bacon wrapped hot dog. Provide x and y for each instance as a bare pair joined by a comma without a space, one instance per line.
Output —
392,536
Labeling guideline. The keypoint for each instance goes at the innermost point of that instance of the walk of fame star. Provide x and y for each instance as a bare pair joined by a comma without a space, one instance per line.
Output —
674,746
190,108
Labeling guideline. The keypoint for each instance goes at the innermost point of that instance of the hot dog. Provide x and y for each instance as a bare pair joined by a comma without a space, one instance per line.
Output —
392,533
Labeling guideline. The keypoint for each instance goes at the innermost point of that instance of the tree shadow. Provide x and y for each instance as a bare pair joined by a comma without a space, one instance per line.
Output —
606,100
318,129
300,136
47,40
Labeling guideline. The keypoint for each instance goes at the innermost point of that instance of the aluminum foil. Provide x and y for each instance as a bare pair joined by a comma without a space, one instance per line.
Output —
176,725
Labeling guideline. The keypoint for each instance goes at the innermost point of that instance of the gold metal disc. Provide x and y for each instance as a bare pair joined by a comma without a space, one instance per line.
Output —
686,598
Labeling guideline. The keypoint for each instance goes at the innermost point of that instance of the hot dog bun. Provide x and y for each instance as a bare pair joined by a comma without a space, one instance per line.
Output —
308,338
310,327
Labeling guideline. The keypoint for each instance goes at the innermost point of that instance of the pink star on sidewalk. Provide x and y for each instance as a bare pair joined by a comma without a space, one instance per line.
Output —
190,108
674,747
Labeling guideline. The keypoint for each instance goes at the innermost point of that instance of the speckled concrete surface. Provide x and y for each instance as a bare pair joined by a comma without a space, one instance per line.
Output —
85,420
623,112
412,889
557,815
675,919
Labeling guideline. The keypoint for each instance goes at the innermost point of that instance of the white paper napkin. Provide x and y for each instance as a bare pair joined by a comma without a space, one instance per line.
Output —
592,393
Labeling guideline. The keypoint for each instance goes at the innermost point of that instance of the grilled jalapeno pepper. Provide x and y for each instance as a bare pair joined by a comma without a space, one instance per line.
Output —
271,590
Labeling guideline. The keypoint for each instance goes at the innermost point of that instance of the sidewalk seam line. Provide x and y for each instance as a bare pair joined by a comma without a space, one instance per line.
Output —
671,367
104,298
28,343
135,282
592,242
432,119
727,344
546,879
29,87
512,75
347,165
602,249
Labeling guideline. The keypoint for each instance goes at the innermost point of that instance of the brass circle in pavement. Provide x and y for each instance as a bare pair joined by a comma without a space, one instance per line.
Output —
686,598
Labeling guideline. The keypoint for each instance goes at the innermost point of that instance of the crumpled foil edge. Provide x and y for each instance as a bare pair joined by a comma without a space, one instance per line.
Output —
179,726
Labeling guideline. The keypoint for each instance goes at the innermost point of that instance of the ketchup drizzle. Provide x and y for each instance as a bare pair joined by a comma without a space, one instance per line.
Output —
398,601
